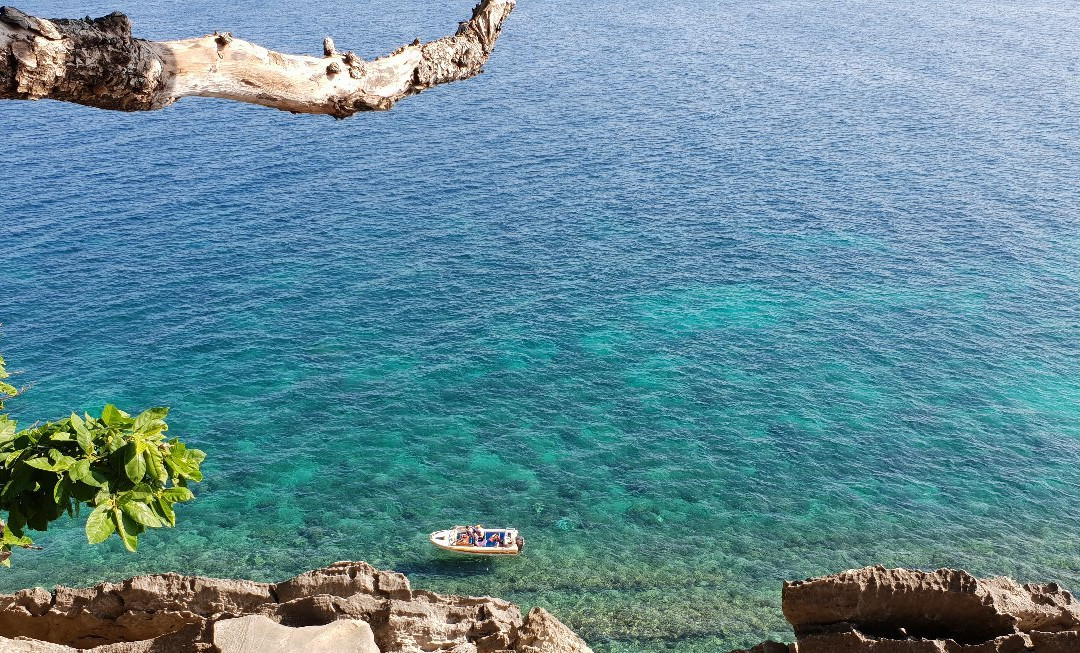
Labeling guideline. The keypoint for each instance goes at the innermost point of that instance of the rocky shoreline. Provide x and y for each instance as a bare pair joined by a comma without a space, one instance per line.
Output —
351,607
879,610
346,607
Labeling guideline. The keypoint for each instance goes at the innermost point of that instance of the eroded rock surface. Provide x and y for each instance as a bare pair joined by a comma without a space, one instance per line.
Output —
543,633
879,610
31,646
258,634
946,603
168,613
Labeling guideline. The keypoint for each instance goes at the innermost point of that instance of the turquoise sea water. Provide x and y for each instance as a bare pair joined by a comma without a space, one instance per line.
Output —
701,297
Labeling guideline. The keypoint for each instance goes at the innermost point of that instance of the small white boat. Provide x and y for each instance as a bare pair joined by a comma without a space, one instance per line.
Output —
492,541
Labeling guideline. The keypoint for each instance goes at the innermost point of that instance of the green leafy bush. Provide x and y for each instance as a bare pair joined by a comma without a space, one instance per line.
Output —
120,467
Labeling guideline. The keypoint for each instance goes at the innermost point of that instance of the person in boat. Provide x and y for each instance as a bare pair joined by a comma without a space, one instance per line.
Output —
494,540
462,538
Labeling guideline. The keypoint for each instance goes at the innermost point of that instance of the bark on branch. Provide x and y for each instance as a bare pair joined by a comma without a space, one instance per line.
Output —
97,62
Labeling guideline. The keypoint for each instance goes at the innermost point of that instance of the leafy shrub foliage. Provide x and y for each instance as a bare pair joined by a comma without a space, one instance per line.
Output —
122,468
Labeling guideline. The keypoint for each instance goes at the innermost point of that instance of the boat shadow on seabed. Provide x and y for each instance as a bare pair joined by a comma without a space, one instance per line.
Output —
448,565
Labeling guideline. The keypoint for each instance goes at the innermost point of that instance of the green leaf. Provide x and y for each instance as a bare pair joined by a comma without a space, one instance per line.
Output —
60,491
16,520
82,472
185,462
196,456
149,417
60,436
11,539
79,470
20,480
111,415
82,435
39,520
133,527
86,443
134,465
167,510
178,467
82,493
140,492
99,525
40,463
103,497
155,466
141,513
126,527
60,462
114,443
7,429
177,494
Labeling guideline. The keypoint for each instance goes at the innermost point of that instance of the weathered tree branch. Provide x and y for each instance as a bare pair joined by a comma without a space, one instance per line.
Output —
98,63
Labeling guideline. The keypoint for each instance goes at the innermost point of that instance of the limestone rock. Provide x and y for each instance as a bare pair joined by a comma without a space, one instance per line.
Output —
943,604
258,634
543,633
139,608
1061,642
879,610
22,645
345,579
168,613
432,622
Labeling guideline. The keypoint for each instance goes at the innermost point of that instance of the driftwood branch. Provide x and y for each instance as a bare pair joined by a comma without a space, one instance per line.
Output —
97,62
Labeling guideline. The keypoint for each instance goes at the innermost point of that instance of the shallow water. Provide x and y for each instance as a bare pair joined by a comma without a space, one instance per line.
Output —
700,298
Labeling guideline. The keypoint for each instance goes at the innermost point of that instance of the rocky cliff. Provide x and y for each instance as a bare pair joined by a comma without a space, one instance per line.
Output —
378,610
350,607
879,610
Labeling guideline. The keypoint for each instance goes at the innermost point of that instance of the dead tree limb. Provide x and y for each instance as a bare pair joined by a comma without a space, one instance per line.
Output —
97,62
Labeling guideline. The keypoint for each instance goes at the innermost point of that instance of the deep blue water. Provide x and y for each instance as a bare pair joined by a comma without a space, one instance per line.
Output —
701,296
